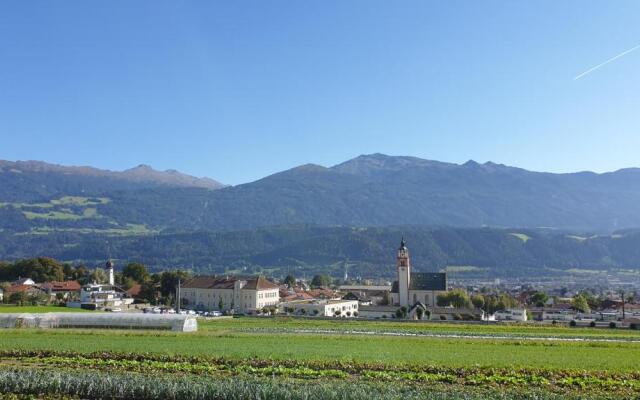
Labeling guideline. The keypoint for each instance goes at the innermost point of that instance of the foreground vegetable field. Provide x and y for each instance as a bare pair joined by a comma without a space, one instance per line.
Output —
289,358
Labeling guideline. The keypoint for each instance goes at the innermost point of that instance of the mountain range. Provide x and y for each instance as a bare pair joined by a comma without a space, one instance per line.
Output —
370,190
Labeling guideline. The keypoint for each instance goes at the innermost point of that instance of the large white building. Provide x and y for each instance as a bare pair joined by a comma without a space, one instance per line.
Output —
415,287
222,294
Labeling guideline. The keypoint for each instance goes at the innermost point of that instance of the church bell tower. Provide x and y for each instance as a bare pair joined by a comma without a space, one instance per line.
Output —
404,274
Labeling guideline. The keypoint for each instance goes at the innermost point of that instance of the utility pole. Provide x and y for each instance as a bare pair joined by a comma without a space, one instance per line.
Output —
623,313
178,297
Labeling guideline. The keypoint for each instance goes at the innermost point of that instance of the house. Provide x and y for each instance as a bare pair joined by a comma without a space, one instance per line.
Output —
414,287
558,315
23,281
359,297
323,308
66,289
510,315
222,294
29,290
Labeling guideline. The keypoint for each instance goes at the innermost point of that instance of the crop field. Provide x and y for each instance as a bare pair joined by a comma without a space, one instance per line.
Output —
37,309
296,358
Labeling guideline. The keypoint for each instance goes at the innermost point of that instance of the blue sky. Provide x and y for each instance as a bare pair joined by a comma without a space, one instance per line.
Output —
238,90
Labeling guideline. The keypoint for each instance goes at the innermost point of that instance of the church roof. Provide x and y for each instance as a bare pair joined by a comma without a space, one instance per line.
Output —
436,281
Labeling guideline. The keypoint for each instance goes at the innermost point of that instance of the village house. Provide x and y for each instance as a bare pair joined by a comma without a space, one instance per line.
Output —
66,289
322,308
222,294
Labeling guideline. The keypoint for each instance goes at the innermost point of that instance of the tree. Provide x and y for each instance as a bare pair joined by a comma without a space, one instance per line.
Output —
100,276
419,312
18,298
539,299
41,269
136,271
478,301
82,274
221,304
148,292
580,304
320,281
457,298
387,299
169,281
290,280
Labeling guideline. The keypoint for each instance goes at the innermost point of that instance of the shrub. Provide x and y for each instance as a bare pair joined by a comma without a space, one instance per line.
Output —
457,317
443,318
573,323
634,326
612,325
355,313
592,324
348,313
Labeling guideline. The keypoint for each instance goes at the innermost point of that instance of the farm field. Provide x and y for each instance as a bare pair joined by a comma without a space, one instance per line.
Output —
38,309
281,352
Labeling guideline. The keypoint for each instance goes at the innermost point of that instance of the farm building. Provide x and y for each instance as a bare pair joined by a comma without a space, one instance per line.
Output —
172,322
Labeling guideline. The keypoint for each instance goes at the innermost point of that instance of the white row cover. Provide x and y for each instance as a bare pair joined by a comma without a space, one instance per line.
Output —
173,322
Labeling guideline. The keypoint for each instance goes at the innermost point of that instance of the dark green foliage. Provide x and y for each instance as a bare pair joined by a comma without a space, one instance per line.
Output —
321,281
539,299
312,250
41,269
580,304
290,280
136,271
456,298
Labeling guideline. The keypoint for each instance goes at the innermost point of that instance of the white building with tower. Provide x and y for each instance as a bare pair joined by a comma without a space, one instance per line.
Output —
412,288
100,296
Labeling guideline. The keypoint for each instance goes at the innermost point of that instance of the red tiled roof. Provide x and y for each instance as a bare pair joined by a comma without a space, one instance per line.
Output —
66,286
209,282
260,283
134,290
21,288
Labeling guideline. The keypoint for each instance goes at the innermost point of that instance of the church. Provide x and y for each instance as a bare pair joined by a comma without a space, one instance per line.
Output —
412,288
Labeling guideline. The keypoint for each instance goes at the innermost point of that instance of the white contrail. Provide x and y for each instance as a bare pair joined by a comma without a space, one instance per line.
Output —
606,62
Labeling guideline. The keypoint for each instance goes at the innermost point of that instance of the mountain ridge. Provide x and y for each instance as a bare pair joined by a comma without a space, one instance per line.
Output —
140,173
368,190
